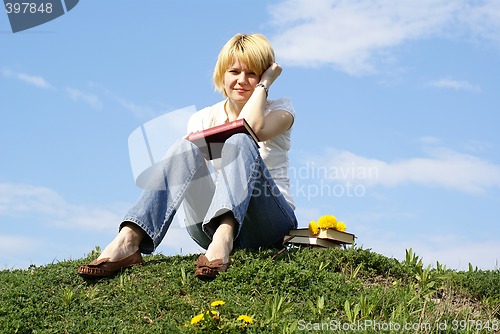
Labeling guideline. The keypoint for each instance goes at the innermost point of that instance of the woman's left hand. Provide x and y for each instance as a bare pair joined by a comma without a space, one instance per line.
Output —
271,74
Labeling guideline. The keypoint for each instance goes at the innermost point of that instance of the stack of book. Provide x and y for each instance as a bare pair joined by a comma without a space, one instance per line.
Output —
326,238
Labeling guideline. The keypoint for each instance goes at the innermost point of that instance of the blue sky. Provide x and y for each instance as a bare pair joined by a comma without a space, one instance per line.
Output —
396,130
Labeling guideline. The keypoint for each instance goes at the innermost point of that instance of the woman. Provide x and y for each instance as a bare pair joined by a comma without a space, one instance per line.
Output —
249,204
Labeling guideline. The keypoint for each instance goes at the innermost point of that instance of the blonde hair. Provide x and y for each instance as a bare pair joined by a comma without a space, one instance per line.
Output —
253,50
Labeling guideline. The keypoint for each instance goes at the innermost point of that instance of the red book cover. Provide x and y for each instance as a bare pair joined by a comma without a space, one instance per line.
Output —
211,140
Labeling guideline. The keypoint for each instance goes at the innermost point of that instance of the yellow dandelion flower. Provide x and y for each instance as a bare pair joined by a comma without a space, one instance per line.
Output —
217,303
215,314
313,227
327,221
245,318
340,227
197,318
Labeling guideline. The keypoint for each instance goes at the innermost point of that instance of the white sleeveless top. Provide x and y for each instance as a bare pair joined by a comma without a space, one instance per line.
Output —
274,151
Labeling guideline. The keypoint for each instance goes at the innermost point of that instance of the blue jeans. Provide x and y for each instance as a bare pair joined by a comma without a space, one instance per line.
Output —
243,186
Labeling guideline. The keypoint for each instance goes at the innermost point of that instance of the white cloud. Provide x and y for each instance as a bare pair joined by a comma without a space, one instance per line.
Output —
460,85
43,208
141,112
456,252
40,82
137,110
19,199
34,80
13,247
77,95
21,243
482,20
45,205
441,168
75,227
354,35
430,140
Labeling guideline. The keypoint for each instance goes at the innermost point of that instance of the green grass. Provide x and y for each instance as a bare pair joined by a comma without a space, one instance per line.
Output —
300,291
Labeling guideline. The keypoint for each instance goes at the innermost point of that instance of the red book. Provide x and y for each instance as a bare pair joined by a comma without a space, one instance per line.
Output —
211,140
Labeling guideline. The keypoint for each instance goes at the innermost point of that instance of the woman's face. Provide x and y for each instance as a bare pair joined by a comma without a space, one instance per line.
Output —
239,82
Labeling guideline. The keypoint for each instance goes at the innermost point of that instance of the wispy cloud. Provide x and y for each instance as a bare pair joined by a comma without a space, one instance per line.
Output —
19,199
45,205
442,167
79,226
13,246
481,20
38,81
33,80
452,250
9,242
94,100
354,36
91,99
142,112
460,85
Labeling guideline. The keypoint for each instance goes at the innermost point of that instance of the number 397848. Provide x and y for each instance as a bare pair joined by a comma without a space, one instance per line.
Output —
28,8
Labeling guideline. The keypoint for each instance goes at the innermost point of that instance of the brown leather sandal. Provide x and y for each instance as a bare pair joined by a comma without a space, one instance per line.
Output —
208,270
105,268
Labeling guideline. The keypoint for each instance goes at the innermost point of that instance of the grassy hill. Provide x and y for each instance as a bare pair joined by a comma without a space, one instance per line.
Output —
301,290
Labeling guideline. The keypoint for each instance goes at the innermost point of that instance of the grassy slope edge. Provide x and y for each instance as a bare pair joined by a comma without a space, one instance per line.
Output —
301,290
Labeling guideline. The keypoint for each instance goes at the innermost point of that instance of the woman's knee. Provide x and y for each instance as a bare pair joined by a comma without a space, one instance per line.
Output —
182,151
237,144
240,139
180,147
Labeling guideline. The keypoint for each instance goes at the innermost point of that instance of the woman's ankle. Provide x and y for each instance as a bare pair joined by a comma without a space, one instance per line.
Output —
131,234
221,245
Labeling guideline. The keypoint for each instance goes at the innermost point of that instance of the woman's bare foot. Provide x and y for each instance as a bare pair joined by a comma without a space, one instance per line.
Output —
125,243
222,241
